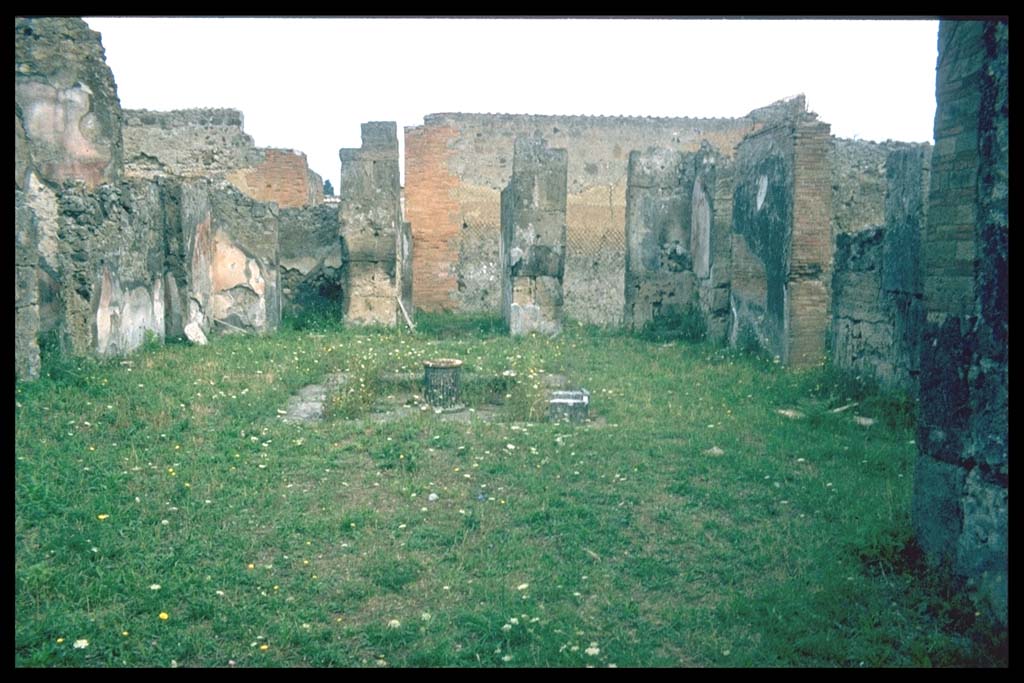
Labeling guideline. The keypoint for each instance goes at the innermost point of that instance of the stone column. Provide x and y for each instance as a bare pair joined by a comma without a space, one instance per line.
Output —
710,236
533,229
908,173
26,291
370,218
659,264
961,477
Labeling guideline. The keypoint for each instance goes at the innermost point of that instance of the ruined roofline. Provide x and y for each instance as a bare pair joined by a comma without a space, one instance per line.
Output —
569,118
203,116
796,104
888,142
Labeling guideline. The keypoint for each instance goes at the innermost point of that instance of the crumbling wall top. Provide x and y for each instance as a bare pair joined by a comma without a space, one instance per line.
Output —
184,117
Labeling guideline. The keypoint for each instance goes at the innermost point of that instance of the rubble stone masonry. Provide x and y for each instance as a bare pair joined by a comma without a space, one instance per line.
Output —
959,508
877,311
211,143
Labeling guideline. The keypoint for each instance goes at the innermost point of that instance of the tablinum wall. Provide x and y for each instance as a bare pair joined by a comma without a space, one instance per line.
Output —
457,165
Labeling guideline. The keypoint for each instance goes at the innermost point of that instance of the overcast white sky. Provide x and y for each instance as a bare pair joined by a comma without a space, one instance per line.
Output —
307,84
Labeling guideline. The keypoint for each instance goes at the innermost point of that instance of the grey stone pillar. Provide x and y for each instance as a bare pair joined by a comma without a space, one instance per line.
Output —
710,235
533,230
26,291
659,263
370,221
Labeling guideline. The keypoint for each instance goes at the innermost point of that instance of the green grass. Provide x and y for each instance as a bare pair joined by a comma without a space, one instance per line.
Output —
623,542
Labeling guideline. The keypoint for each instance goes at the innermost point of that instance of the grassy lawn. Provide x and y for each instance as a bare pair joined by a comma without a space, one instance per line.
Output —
166,515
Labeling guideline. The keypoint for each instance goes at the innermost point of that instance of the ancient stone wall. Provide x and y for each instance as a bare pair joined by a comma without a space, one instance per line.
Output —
187,143
370,218
311,259
782,244
711,237
111,258
210,143
245,264
859,182
533,232
659,279
457,165
66,102
877,312
67,129
961,477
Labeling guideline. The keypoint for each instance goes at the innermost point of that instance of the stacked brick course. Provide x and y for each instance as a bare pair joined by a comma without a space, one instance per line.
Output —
283,177
431,208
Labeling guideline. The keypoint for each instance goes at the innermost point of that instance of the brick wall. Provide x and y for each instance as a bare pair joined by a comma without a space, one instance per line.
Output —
810,261
283,177
431,208
457,164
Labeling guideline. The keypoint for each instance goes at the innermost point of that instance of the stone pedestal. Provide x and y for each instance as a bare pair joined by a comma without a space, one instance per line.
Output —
569,406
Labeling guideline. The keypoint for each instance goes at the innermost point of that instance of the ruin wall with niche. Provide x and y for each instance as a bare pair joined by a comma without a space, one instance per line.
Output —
659,278
457,165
